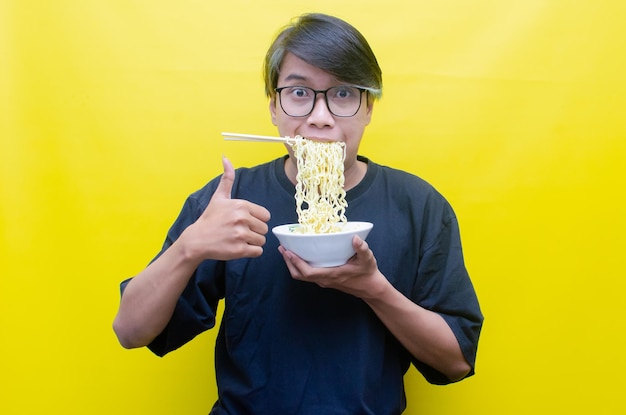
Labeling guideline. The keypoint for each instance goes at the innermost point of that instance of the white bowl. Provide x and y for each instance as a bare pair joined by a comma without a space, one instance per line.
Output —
322,249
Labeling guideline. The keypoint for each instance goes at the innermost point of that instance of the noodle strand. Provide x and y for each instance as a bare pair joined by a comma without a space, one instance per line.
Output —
320,196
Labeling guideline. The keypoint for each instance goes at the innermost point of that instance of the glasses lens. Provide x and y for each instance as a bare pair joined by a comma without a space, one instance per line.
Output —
344,101
299,101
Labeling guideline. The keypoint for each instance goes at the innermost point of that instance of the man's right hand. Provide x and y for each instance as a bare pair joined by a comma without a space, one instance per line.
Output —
228,228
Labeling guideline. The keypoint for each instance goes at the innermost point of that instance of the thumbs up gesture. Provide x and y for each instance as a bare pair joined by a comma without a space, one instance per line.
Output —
228,228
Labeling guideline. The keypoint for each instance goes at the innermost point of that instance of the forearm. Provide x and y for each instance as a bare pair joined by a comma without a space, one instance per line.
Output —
425,334
149,299
226,229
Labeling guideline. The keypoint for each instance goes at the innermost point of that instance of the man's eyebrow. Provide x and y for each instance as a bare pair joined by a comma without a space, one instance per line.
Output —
295,77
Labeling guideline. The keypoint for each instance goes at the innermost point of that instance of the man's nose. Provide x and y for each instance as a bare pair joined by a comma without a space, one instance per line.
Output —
321,115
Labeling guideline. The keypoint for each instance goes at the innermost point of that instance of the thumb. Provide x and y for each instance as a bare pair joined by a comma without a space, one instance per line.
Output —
226,182
359,244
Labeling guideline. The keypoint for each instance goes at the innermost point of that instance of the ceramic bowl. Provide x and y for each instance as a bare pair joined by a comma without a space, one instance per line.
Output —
323,249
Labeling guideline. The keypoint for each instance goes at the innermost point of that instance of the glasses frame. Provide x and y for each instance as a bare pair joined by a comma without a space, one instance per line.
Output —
321,91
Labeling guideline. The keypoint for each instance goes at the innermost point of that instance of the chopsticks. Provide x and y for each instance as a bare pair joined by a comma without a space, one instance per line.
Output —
257,138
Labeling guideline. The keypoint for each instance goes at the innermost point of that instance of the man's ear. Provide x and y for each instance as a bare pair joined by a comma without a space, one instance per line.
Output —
370,110
273,110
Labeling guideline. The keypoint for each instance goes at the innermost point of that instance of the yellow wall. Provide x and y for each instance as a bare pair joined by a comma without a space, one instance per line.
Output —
110,113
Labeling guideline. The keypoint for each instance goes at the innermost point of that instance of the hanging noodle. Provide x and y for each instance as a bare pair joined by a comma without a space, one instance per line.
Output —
320,196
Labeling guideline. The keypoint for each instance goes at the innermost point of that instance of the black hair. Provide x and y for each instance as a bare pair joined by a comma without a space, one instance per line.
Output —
330,44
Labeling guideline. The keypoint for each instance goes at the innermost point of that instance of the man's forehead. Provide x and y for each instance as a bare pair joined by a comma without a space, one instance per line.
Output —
294,69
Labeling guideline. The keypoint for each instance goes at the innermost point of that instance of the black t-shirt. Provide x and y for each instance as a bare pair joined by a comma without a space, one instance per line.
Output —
287,346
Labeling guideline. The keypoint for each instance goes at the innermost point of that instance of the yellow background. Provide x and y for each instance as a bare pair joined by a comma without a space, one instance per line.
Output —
110,114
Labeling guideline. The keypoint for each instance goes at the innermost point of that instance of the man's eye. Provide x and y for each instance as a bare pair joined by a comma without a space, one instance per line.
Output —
299,92
343,93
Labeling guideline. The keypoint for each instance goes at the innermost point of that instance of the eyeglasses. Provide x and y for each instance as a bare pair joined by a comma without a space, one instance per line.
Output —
299,101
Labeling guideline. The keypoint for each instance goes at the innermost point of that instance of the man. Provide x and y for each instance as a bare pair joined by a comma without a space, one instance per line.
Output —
295,339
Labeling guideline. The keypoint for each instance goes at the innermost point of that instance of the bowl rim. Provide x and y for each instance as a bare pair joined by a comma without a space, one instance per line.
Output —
284,229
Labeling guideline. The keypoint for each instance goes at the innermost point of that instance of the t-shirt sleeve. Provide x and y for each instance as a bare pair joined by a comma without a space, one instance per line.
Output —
444,286
196,308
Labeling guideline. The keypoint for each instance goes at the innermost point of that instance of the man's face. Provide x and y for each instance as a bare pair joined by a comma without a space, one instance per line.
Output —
320,124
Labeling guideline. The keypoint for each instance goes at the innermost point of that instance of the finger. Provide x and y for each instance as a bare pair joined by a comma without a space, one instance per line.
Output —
363,253
258,226
225,187
255,239
261,213
359,245
291,260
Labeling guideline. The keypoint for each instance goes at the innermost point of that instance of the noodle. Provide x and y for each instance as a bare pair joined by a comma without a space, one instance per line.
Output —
320,196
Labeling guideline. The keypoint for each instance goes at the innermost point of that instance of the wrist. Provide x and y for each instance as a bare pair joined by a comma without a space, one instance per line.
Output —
378,289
